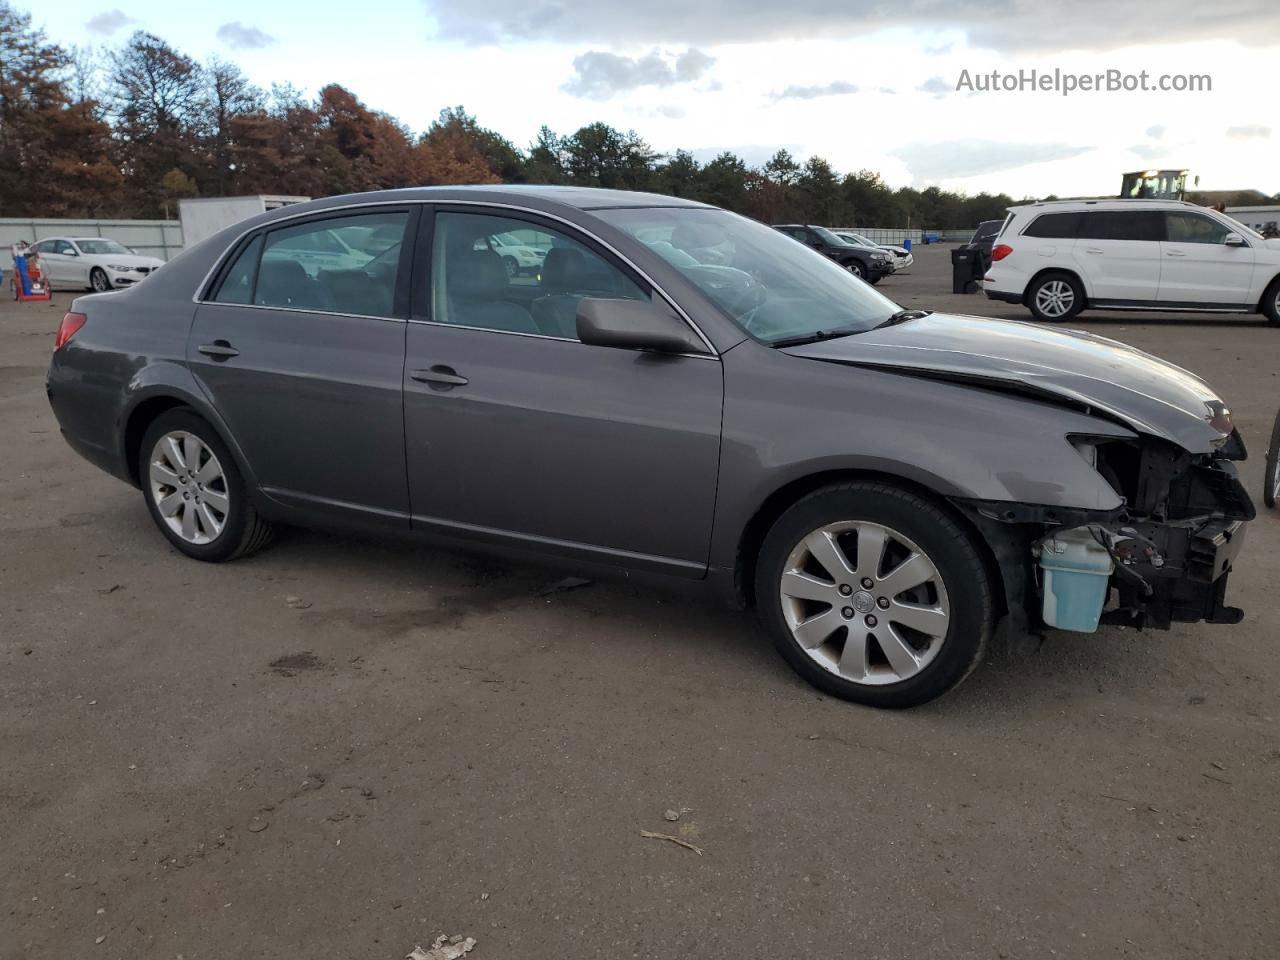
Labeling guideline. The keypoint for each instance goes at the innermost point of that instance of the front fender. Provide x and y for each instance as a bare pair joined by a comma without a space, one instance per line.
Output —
787,418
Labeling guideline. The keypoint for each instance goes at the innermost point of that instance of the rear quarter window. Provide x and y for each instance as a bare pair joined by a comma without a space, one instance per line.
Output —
1055,226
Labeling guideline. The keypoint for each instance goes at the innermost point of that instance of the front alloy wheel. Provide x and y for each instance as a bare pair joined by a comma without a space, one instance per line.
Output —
856,269
864,602
98,280
1271,475
875,594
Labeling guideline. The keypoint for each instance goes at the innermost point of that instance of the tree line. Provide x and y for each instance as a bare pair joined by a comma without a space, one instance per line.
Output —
129,133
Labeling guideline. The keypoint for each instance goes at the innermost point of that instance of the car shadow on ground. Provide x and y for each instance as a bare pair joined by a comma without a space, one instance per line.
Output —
451,586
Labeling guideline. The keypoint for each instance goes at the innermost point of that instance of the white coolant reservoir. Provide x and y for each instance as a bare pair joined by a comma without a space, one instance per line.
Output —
1076,571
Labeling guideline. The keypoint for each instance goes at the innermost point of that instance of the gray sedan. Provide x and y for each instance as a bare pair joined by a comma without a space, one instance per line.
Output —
676,390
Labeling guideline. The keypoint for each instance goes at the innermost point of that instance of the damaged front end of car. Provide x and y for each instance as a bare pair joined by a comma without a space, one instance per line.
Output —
1162,557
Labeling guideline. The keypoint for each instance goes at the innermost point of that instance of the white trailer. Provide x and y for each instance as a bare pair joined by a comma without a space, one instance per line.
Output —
205,216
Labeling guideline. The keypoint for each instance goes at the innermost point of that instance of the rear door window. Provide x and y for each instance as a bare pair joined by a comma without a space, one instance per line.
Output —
1122,225
332,266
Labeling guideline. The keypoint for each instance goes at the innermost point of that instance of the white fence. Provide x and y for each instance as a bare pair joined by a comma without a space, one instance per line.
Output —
152,238
896,235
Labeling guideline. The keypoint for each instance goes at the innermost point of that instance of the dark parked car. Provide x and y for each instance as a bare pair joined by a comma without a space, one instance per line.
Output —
984,239
882,484
866,264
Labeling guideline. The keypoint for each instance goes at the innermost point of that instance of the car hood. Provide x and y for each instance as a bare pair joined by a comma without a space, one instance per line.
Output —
1147,393
900,251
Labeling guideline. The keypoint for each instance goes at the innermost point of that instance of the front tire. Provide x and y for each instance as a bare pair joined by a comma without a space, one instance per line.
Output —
510,265
874,594
194,491
98,280
1055,297
1271,302
1271,475
856,269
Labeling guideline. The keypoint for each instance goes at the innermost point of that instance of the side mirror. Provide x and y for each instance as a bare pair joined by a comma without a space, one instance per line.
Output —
1233,240
634,325
71,252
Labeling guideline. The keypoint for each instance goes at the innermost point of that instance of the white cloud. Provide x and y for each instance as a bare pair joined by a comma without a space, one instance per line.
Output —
599,75
240,36
1029,27
108,22
1249,131
835,88
1156,132
956,159
936,86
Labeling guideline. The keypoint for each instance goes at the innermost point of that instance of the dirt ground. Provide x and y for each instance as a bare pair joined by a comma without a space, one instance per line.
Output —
343,747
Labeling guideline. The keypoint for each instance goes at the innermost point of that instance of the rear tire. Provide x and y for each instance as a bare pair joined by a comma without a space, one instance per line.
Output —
1055,297
194,491
1271,302
1271,475
842,622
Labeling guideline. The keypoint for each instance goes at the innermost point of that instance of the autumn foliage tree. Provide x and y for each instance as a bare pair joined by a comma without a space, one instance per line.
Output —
132,135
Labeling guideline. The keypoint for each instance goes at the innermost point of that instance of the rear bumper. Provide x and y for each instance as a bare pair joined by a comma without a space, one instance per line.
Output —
1002,295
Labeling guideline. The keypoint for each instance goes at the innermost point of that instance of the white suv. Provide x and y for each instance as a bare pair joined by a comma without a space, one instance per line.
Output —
1060,257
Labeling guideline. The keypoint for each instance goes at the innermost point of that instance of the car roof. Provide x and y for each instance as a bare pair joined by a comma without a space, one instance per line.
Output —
1108,203
581,198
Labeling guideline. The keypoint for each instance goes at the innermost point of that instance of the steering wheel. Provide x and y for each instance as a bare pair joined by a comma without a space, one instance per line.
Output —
735,290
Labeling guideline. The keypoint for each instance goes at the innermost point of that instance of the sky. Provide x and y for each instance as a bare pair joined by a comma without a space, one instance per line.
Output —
867,84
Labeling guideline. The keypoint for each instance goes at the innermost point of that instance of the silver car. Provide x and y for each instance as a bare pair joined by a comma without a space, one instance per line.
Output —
884,485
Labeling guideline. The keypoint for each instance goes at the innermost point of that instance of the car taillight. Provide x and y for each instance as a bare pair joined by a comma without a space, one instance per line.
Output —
1000,251
68,328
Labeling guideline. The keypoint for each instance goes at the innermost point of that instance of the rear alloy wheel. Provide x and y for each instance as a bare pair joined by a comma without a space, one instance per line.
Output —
1055,297
875,595
98,280
1271,475
194,491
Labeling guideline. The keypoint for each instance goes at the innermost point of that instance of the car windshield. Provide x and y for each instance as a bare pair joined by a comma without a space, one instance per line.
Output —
92,247
771,286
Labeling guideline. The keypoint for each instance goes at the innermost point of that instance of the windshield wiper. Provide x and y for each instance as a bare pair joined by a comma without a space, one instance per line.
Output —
902,316
817,336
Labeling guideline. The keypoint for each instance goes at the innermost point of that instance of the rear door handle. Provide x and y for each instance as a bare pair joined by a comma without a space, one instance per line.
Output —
219,350
440,376
1094,250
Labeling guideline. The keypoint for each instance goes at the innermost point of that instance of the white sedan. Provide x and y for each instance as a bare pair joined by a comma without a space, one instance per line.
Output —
902,257
95,263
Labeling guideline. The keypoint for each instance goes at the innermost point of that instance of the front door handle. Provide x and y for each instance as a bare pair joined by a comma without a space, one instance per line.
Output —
219,350
1175,253
1093,250
440,376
